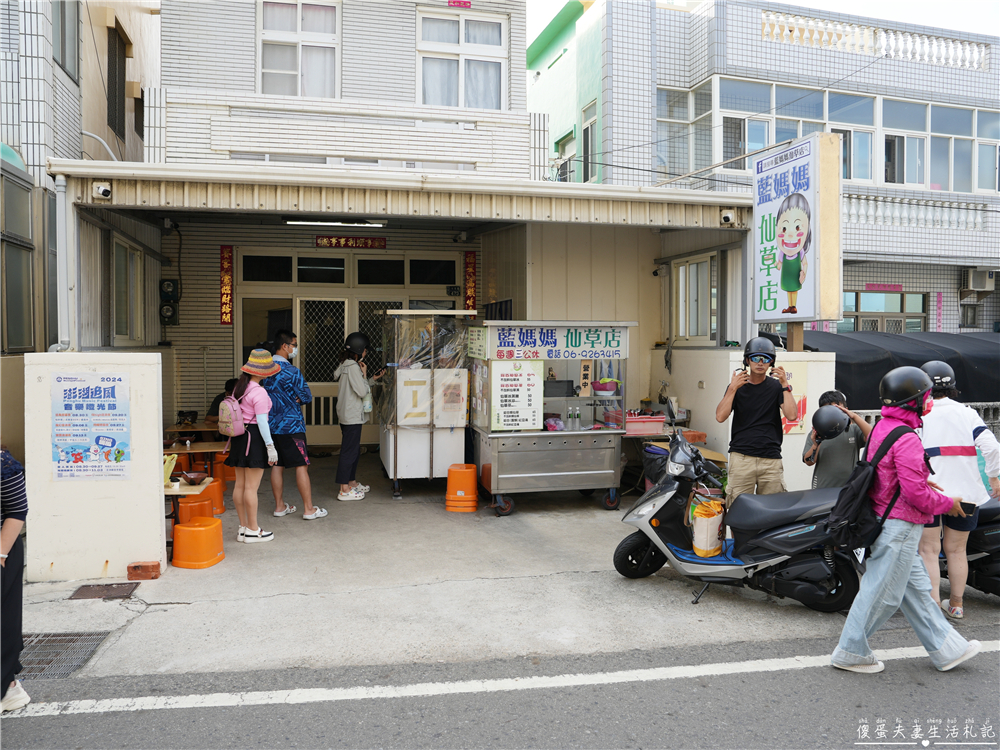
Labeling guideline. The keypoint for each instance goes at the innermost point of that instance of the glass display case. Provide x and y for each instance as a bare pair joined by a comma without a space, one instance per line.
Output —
547,406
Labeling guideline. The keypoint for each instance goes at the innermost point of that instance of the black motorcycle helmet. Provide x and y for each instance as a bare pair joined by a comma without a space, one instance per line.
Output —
356,343
940,373
759,345
905,384
829,421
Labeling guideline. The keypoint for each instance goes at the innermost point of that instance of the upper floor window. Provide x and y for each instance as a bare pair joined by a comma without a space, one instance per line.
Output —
300,48
589,142
856,110
66,36
116,83
462,60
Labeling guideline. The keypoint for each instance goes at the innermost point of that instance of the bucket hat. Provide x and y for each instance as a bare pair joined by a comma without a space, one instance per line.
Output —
261,363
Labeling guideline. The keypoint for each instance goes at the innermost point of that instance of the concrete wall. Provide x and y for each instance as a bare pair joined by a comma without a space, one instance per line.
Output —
94,528
143,29
698,378
597,273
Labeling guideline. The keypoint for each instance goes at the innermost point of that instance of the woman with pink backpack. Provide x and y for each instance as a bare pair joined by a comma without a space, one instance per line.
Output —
243,416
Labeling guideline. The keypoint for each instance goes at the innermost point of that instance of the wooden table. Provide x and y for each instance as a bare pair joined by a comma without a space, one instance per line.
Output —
196,427
182,490
211,448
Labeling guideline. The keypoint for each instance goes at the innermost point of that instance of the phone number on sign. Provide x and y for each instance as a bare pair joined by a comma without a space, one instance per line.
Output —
583,354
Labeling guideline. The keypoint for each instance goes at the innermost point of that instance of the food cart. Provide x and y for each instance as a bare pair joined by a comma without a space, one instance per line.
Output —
548,406
423,410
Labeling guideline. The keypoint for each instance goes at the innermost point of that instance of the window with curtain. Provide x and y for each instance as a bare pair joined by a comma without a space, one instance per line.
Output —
695,283
463,60
128,285
116,83
65,35
300,49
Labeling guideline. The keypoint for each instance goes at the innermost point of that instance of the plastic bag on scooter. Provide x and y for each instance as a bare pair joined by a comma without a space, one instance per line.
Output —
706,526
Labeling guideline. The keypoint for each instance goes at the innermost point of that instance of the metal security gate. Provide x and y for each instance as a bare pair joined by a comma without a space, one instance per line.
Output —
321,325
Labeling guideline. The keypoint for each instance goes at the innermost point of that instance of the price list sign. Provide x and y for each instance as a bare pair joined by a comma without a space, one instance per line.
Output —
516,395
90,426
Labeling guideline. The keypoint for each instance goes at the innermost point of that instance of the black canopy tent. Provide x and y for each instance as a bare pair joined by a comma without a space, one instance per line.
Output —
863,358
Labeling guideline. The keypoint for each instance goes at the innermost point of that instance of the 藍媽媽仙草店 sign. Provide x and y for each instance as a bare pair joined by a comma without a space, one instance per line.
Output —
558,342
796,232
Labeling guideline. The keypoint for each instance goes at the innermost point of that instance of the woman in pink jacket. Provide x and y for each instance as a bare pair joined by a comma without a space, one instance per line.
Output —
896,577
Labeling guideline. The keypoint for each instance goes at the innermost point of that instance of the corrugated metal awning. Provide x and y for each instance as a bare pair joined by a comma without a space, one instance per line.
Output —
312,191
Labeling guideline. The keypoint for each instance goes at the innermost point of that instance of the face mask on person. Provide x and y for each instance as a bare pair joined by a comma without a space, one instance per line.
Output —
295,351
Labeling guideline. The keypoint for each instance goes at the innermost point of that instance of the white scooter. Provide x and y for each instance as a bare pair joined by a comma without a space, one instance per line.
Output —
780,544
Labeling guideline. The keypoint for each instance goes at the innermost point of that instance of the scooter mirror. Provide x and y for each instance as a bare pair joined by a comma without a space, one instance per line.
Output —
670,412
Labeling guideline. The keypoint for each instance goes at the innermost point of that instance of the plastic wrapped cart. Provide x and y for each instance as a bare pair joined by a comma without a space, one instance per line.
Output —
424,405
547,403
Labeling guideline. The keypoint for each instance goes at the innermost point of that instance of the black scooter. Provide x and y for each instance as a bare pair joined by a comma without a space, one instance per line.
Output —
780,544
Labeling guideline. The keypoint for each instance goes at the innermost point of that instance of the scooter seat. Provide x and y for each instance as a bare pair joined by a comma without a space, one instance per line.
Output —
753,512
989,512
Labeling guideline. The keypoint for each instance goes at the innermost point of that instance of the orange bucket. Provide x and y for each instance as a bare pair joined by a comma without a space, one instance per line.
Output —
462,495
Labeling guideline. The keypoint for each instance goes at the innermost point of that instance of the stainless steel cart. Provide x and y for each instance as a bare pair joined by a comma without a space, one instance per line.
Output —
527,374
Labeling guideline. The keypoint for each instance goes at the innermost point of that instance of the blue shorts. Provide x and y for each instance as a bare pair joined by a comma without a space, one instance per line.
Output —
957,523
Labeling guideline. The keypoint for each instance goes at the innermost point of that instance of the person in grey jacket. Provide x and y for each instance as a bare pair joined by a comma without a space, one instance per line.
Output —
352,374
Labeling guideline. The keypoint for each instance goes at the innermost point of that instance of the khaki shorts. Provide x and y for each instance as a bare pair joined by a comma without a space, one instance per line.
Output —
761,476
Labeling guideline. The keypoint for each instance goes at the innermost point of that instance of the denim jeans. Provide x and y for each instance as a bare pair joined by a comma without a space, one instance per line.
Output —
897,579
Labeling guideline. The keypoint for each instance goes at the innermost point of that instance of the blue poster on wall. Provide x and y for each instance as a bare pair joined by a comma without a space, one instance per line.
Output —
91,437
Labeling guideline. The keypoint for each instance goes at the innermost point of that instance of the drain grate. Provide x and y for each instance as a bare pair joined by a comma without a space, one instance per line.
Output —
105,591
51,656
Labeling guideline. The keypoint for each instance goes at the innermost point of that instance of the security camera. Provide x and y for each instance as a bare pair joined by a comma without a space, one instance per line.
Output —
102,189
656,272
728,217
460,237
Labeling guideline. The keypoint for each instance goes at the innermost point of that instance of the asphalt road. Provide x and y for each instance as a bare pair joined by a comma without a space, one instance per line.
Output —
803,704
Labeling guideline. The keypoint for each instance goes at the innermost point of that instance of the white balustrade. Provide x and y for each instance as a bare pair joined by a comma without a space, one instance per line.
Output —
818,33
912,212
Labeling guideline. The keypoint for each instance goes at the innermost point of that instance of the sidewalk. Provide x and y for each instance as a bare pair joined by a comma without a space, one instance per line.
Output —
385,581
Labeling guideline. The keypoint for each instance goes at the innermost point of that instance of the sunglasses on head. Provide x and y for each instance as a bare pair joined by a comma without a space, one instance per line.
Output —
759,358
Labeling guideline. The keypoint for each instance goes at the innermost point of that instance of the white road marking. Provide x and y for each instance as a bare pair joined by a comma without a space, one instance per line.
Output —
427,689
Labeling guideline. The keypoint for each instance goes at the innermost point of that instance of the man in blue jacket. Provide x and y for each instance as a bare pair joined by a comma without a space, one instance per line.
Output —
288,391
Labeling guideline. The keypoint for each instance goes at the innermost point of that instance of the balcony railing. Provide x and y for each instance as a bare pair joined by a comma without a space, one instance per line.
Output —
818,33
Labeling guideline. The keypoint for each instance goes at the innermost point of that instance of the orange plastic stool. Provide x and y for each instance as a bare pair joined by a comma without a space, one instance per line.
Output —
198,543
193,506
183,462
462,495
221,470
214,493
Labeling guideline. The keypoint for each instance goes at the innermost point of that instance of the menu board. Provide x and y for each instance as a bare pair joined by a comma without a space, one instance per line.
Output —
516,395
90,426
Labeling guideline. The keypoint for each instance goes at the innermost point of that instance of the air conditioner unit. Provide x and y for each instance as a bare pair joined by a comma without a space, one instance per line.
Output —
974,280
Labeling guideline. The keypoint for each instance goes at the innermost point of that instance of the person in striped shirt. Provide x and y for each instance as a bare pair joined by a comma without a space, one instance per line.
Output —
13,512
952,433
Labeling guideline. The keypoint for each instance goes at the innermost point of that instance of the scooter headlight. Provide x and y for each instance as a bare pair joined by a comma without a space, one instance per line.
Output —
675,469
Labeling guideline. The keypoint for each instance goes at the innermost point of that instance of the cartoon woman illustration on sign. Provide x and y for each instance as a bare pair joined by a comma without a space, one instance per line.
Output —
794,238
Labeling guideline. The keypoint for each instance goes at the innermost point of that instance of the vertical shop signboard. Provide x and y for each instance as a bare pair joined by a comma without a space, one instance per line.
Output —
226,285
91,437
470,280
796,232
516,395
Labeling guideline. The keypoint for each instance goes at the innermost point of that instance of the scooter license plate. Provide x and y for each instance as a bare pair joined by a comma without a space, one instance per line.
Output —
860,554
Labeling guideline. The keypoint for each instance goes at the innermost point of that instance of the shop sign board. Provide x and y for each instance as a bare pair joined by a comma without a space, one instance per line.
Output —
516,395
226,285
91,436
796,235
558,342
478,343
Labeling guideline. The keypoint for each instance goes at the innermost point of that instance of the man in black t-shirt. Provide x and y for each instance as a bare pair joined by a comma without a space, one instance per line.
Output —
756,402
213,411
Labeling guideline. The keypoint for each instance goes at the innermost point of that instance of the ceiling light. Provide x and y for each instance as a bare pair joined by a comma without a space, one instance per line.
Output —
336,223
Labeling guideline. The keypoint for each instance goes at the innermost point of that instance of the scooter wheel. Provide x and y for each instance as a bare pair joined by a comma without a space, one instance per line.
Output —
504,506
846,588
637,556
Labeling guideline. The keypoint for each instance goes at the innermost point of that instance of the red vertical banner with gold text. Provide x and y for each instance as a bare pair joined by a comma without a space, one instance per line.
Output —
226,285
470,280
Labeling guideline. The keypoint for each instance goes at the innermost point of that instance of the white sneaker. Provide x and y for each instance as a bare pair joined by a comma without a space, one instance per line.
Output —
352,494
972,650
17,697
240,533
252,537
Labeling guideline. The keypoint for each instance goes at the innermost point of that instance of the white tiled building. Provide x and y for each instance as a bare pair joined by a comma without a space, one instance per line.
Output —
640,91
